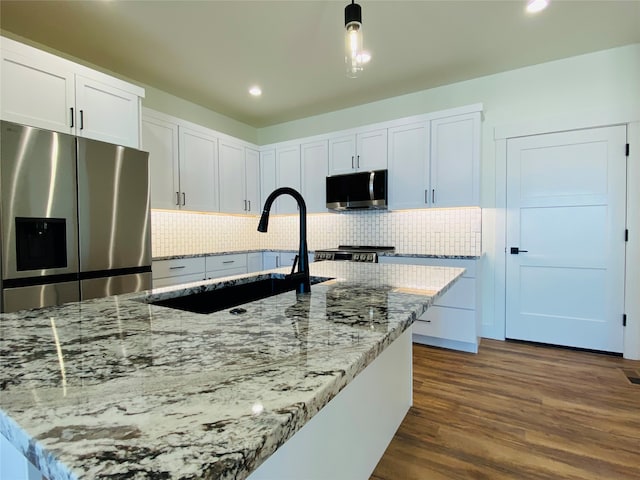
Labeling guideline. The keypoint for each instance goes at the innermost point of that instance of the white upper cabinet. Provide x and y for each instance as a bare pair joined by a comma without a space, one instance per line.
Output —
435,163
106,113
232,178
239,178
45,91
314,160
287,175
408,179
455,161
198,170
268,180
252,176
354,152
36,94
160,139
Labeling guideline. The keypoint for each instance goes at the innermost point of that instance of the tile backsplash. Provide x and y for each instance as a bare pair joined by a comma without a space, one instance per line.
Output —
451,231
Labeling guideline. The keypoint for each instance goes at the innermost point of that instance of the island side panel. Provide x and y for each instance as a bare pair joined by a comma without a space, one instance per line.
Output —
347,438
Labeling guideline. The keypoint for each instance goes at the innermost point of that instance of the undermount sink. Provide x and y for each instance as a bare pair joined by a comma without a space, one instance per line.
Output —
228,296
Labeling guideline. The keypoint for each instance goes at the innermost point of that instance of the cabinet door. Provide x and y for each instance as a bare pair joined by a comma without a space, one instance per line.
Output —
39,95
107,113
232,178
160,139
270,260
267,174
198,170
371,150
342,154
252,177
254,262
455,161
409,166
314,170
288,175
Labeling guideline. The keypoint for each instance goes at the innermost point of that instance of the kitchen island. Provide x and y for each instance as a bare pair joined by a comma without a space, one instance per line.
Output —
121,388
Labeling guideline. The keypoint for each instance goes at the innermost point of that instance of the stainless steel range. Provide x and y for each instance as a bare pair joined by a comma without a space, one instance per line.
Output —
353,253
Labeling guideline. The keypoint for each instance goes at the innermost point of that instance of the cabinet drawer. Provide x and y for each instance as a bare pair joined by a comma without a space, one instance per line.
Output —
223,262
226,272
178,266
461,295
177,280
448,323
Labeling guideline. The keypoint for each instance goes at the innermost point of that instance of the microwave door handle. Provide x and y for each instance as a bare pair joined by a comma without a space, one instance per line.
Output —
371,176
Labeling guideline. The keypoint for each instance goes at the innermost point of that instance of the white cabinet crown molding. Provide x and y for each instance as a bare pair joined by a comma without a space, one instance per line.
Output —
49,58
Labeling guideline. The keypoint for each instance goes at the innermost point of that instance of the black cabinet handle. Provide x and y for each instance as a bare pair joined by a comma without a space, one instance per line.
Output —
516,251
81,119
71,117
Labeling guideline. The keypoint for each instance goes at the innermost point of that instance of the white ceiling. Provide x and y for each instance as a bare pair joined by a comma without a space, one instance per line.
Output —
211,52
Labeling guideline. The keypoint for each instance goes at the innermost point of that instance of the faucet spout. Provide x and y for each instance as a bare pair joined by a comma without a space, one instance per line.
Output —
303,257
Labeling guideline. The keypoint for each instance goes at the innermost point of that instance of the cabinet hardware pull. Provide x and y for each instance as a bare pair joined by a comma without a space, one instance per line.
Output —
358,162
71,117
229,261
352,161
176,268
249,205
245,205
433,196
184,198
426,198
178,198
81,119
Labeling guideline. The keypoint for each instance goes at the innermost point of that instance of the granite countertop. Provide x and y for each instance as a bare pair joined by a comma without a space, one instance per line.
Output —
383,254
119,388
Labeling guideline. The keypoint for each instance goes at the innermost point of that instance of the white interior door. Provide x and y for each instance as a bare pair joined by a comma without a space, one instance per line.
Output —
566,215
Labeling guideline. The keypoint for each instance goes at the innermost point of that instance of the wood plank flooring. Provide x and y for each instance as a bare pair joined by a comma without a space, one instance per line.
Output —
518,411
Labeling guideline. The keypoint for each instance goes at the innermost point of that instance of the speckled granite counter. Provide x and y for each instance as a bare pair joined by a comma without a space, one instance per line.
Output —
384,254
118,388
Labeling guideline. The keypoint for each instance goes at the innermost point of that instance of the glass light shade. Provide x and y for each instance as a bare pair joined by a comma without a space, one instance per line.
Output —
353,49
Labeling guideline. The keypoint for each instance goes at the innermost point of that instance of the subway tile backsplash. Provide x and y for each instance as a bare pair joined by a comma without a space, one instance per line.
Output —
451,231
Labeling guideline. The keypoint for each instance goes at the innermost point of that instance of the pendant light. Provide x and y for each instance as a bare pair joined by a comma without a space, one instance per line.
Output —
355,57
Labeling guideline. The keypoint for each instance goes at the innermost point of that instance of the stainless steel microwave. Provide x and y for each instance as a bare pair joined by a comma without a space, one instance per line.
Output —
361,190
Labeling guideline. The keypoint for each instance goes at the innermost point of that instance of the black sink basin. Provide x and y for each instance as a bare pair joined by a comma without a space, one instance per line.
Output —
233,295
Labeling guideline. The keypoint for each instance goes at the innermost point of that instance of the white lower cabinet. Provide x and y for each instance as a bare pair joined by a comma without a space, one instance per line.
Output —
177,271
254,262
225,265
273,260
453,321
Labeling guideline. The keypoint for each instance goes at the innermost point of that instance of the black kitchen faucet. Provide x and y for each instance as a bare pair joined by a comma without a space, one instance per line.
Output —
302,275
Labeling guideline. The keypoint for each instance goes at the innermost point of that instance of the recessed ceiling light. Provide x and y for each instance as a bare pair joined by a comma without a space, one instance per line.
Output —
256,91
534,6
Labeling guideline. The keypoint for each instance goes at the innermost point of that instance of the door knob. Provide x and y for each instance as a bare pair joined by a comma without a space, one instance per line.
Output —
516,251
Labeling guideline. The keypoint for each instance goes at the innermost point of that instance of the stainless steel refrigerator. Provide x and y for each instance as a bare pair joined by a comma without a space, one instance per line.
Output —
74,218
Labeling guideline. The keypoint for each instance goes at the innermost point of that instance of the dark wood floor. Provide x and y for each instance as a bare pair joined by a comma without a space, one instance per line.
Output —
518,411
